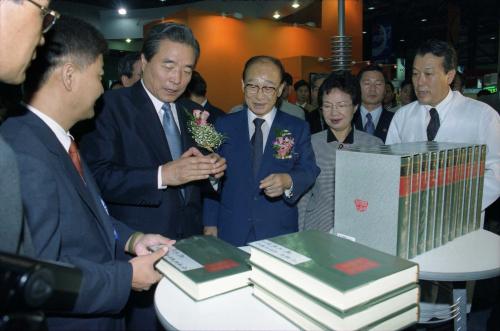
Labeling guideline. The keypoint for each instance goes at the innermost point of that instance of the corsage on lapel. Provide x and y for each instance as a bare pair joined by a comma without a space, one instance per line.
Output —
283,144
204,133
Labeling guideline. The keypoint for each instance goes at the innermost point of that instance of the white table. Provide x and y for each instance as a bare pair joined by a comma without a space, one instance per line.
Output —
236,310
473,256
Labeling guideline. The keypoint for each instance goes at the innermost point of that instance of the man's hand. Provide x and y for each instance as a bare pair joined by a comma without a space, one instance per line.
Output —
143,272
146,240
192,166
210,231
275,185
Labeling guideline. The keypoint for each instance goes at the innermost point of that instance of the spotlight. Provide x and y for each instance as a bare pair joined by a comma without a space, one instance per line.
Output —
295,4
128,40
122,11
276,15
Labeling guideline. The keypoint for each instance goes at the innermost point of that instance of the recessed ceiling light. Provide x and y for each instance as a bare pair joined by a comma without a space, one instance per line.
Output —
163,0
122,11
402,40
295,4
371,8
128,40
423,20
276,15
492,38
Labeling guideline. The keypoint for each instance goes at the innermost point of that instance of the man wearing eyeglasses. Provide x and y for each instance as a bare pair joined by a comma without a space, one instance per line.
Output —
270,162
22,24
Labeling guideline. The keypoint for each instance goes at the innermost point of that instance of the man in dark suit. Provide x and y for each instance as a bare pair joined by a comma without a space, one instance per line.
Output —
142,154
371,116
21,33
270,161
196,91
67,218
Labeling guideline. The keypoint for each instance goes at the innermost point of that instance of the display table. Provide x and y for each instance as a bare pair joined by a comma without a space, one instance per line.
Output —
236,310
473,256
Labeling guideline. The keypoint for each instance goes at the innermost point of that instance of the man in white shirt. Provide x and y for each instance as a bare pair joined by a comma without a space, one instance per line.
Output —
456,118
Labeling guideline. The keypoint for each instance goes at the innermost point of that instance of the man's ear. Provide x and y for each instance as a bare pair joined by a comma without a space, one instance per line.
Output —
450,76
143,62
280,89
243,86
68,76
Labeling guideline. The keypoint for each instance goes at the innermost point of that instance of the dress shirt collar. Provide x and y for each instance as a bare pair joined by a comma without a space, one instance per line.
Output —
330,137
269,117
204,103
442,107
63,136
157,103
375,114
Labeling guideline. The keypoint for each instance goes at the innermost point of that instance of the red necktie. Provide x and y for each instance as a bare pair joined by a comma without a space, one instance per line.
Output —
75,158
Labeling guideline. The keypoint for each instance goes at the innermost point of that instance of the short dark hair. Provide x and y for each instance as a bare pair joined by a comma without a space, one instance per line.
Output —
263,59
299,84
344,81
70,37
287,78
440,48
197,85
371,67
175,32
126,64
317,77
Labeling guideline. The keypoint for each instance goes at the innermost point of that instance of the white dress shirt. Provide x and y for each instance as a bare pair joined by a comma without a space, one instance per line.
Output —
157,103
63,136
375,115
266,126
462,120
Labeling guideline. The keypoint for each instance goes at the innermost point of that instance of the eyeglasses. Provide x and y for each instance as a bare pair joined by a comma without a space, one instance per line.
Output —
340,106
49,16
252,89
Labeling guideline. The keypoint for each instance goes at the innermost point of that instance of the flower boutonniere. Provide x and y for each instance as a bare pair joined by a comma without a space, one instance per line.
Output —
283,144
204,133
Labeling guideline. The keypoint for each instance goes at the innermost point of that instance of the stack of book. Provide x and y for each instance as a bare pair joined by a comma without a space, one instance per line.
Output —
323,282
204,266
406,199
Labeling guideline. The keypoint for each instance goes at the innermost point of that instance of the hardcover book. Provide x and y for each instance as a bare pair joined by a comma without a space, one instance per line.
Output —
337,271
204,266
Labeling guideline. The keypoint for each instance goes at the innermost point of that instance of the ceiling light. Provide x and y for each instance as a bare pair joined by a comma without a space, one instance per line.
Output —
364,32
423,20
402,40
492,38
163,0
128,40
371,8
276,15
295,4
122,11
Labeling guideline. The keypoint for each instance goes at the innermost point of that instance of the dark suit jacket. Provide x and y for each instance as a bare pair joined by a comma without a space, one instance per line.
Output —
215,112
242,206
316,122
124,152
382,126
68,223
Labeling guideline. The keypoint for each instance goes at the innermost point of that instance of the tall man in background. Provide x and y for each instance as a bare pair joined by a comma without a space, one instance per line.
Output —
142,154
130,69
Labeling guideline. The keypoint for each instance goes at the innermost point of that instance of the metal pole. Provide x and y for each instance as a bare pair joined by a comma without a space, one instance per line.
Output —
341,17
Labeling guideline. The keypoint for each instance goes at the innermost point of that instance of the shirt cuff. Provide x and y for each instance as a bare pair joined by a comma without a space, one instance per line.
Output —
160,181
289,193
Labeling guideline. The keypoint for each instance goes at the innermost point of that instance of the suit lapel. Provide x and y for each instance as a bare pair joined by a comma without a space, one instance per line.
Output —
358,124
382,125
267,159
54,146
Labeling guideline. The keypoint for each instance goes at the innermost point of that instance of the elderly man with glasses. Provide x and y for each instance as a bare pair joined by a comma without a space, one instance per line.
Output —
22,24
270,162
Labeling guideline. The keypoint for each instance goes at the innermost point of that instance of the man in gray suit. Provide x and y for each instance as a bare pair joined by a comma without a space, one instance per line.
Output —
22,31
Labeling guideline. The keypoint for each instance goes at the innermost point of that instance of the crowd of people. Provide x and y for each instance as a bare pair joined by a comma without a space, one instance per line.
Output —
137,178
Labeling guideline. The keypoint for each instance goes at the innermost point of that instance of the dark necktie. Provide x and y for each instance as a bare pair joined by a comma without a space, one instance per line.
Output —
369,126
257,142
75,158
433,126
171,132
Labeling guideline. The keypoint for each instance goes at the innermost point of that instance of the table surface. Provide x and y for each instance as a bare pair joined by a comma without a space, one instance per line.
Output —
473,256
235,310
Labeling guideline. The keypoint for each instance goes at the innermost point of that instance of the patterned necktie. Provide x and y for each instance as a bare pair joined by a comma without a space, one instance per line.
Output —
75,158
257,142
171,132
433,126
369,126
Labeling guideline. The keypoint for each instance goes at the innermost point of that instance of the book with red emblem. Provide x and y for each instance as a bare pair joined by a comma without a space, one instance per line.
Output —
205,266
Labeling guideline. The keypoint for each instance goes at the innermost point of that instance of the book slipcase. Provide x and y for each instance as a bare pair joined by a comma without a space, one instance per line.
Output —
406,199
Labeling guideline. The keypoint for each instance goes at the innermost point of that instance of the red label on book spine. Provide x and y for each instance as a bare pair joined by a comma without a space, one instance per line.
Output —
440,177
361,205
424,181
356,266
404,186
221,265
432,178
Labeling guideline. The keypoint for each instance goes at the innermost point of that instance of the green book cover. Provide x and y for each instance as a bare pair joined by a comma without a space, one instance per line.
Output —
467,187
480,188
440,183
431,202
461,192
414,205
337,271
204,266
422,217
448,197
404,207
473,183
